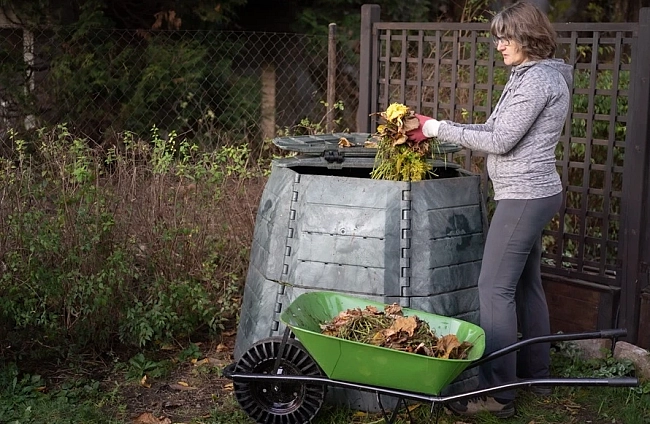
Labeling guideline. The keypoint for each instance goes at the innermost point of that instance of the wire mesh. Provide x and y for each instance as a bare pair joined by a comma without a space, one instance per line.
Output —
204,84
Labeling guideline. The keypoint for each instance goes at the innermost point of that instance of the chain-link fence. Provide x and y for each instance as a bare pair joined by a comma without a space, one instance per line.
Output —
203,84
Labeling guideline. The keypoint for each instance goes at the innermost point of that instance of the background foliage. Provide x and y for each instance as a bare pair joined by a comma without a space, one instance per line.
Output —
117,233
123,245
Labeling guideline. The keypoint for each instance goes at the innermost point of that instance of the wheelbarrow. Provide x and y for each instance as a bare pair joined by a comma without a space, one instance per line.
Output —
283,379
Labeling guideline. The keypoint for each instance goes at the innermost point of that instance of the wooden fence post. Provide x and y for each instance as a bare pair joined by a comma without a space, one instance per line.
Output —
635,203
369,15
331,77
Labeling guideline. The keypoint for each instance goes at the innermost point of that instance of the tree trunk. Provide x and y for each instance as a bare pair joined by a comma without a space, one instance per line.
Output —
268,101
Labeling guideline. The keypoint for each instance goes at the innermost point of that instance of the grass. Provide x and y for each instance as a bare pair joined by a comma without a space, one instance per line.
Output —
33,399
26,399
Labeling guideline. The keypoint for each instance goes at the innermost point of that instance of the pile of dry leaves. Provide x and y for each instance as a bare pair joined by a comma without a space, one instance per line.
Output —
390,328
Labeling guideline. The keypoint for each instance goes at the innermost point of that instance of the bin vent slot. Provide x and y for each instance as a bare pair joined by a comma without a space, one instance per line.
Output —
333,156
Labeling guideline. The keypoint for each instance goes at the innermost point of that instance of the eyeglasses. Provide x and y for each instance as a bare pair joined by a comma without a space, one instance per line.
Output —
499,40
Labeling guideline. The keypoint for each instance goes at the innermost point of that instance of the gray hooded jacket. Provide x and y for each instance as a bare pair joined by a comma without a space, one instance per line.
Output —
523,130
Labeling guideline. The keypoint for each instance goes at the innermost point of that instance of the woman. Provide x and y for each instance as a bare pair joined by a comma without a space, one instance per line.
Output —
519,137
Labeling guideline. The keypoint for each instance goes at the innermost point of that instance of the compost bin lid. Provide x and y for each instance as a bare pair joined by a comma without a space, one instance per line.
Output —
328,145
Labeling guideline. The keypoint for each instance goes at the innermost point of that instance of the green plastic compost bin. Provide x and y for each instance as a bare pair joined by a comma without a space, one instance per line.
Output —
355,362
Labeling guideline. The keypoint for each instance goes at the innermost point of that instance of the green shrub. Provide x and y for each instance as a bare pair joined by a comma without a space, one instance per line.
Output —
131,243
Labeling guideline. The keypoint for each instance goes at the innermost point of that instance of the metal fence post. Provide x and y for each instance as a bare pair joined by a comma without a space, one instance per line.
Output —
331,76
369,15
635,207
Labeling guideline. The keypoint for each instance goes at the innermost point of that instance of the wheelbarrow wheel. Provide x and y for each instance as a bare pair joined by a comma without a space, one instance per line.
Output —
283,402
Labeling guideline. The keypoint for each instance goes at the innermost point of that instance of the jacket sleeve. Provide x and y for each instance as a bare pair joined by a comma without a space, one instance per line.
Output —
509,127
487,126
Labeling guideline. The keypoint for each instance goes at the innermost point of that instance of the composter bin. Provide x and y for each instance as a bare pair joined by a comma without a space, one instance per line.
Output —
324,225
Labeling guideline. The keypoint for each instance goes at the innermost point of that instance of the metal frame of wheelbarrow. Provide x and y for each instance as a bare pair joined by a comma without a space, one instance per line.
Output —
435,400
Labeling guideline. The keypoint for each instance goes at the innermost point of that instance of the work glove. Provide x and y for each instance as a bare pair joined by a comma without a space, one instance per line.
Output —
428,128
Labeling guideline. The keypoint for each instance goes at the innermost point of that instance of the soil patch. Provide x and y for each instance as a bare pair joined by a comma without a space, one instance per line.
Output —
192,390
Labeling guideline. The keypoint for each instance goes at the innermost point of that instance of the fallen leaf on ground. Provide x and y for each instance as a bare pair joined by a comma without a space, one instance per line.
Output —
414,406
143,382
216,362
181,387
149,418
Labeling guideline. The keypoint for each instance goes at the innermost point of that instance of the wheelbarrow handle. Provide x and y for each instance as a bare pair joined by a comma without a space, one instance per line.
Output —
613,333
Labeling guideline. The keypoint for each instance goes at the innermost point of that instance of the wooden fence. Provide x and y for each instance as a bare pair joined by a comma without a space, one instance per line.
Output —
597,251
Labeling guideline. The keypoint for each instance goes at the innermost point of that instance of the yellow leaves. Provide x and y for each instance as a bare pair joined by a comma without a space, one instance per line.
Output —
396,111
394,130
398,158
399,120
400,163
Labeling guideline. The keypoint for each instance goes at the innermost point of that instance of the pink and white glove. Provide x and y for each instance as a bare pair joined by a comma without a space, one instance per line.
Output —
428,128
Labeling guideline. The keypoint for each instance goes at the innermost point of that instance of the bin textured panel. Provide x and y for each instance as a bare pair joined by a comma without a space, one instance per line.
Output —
271,224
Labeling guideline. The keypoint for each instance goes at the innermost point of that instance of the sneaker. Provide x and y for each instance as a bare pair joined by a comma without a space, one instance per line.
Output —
538,390
541,390
483,404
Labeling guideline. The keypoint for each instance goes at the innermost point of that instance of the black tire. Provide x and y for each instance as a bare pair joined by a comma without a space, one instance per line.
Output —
284,402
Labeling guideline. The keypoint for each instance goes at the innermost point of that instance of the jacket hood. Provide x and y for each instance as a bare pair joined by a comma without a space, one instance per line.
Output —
558,64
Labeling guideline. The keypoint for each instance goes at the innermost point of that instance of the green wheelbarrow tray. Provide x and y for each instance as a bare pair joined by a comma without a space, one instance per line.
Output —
280,380
355,362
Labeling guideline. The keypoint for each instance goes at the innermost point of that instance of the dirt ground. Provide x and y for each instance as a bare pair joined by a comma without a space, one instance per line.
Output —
192,390
195,389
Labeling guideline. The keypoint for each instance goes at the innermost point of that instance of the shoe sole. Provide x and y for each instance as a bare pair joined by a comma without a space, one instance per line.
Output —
504,413
541,390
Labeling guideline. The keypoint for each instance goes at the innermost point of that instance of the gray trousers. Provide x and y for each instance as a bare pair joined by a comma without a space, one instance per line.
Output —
511,293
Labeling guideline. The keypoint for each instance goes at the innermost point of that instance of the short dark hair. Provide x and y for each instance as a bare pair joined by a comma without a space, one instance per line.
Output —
525,24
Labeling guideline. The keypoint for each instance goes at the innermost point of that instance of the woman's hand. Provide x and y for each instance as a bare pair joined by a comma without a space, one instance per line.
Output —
428,128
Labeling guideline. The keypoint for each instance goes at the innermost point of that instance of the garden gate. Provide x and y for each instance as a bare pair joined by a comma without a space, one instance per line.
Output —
597,250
